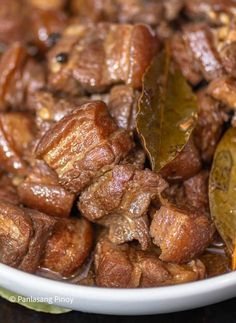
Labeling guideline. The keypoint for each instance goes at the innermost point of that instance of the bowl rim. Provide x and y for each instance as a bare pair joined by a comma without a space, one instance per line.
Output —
9,276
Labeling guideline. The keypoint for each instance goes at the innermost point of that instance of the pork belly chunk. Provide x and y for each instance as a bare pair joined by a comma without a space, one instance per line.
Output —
84,145
20,75
12,22
8,191
199,38
184,58
23,235
51,22
124,189
193,193
122,106
94,57
43,227
16,133
209,126
186,164
181,234
126,267
41,191
120,199
223,89
196,191
228,56
68,247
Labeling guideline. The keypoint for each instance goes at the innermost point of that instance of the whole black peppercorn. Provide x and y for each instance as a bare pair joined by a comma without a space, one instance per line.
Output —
62,58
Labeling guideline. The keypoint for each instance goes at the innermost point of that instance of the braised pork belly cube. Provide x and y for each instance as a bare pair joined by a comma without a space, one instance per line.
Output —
16,133
23,235
200,40
43,227
126,267
192,193
84,145
210,125
8,191
47,26
120,199
223,89
19,77
122,106
183,56
124,189
228,57
182,234
186,164
94,57
41,191
214,11
12,21
124,229
68,247
11,67
196,191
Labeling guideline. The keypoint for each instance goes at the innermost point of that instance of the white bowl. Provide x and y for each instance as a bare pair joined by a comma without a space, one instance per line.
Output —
121,301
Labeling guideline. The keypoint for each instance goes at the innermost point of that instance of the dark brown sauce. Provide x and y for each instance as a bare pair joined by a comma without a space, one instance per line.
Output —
84,276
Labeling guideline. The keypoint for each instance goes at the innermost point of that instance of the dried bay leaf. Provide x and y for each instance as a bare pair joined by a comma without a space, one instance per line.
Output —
222,191
167,111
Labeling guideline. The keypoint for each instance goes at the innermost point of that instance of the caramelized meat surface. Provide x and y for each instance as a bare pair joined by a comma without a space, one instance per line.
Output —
125,267
47,25
196,191
186,164
68,247
8,191
42,191
209,127
181,234
16,133
93,57
124,189
43,227
23,235
20,75
120,199
184,57
200,41
223,90
12,21
122,106
83,145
